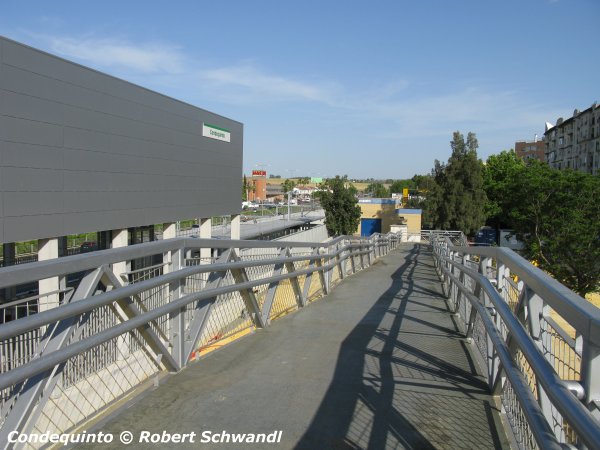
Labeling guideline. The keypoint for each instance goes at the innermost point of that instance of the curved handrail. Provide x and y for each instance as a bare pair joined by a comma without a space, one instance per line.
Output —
583,316
563,399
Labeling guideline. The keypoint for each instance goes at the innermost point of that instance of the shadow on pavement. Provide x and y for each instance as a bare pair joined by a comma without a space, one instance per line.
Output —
404,377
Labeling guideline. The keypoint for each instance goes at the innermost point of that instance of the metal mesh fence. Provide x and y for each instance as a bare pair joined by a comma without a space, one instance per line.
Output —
96,378
520,428
556,336
73,402
559,349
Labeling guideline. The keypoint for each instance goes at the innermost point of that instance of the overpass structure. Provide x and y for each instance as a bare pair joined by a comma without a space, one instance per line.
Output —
352,343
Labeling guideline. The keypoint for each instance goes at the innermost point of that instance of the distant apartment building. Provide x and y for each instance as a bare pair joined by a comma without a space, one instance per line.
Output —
535,149
574,143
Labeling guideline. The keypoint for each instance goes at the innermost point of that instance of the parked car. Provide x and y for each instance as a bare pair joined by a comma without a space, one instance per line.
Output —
486,236
88,246
249,205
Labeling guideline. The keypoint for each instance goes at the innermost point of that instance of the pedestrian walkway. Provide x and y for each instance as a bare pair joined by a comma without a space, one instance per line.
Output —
377,364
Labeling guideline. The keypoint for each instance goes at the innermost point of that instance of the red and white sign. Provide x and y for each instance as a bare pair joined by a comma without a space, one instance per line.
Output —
259,173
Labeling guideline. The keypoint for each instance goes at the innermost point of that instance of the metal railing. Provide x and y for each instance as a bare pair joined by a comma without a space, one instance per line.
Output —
116,331
547,375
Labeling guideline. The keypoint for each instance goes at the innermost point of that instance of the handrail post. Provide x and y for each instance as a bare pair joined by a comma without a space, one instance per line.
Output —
177,318
322,274
362,256
535,310
500,269
590,375
240,276
341,264
351,257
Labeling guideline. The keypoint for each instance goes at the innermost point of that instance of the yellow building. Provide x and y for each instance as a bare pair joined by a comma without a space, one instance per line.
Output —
412,219
379,214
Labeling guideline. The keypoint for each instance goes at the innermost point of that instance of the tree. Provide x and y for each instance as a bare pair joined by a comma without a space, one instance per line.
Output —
377,190
288,185
556,213
398,186
432,193
245,189
457,201
342,213
499,177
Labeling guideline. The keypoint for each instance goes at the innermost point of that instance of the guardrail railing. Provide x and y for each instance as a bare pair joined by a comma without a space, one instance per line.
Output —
538,342
67,355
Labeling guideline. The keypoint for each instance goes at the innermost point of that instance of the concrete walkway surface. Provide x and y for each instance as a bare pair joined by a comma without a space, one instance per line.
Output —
377,364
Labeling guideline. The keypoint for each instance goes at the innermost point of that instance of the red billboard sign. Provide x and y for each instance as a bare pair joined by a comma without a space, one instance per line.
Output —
259,173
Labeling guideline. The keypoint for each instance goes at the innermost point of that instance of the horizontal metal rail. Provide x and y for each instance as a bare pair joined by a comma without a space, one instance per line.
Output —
568,406
134,328
570,306
75,309
15,275
540,427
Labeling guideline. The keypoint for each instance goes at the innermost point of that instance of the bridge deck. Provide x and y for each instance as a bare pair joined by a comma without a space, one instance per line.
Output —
377,364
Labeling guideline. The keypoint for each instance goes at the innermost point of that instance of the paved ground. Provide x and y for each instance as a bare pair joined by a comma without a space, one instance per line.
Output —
378,364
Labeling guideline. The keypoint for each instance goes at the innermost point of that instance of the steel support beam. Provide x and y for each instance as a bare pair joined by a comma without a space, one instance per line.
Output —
35,391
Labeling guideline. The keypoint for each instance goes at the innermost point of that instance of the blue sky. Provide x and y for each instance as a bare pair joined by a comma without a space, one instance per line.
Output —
368,89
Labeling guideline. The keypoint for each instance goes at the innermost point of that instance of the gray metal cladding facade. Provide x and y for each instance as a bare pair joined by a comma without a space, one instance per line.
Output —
82,151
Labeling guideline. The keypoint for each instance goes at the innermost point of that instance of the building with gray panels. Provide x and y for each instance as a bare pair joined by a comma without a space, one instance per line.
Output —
574,143
82,151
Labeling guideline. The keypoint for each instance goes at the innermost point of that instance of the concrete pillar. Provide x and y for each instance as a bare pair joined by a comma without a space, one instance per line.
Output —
120,238
49,297
8,255
205,233
169,232
236,221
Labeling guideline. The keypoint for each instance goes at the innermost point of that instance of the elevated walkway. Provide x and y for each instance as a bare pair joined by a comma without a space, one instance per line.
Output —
379,363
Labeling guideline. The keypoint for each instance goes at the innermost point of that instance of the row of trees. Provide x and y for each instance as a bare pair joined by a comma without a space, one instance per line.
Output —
379,190
555,213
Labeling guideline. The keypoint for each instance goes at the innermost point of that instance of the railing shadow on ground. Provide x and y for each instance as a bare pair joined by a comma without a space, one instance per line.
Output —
388,392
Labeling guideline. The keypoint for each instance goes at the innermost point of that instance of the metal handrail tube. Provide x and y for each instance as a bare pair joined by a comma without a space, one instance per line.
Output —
572,409
33,297
535,417
15,275
62,312
145,269
574,309
49,361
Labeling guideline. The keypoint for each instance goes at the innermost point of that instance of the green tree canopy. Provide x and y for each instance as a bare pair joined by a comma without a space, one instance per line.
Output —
288,185
556,213
457,200
398,185
338,198
500,174
377,190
